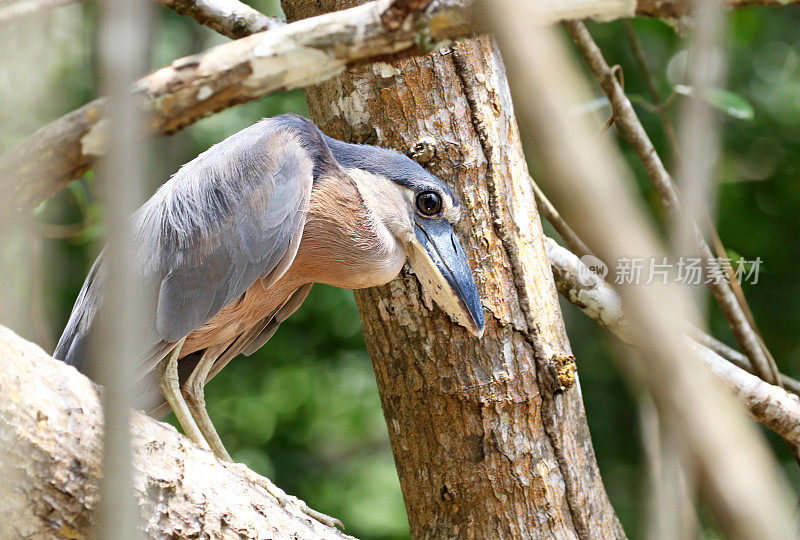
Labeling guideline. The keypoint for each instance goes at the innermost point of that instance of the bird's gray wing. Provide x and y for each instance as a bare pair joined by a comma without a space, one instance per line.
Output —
271,325
247,343
227,218
257,337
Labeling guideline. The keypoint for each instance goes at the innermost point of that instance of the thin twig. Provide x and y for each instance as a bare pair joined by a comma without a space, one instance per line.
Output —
652,87
695,181
636,136
735,357
550,213
123,53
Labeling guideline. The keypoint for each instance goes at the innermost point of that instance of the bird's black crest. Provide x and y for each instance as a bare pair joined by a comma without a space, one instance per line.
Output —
395,166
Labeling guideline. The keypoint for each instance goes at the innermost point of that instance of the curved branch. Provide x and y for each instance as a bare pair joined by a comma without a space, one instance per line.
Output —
51,448
767,404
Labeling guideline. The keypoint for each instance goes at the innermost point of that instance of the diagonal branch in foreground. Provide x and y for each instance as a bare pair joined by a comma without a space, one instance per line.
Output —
634,133
293,56
50,443
767,404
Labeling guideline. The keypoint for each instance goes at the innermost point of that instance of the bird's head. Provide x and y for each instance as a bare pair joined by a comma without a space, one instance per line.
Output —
419,210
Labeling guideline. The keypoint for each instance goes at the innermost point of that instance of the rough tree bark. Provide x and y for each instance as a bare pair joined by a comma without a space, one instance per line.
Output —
489,435
51,427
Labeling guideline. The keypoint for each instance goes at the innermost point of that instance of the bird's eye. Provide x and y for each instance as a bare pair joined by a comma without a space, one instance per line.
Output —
429,203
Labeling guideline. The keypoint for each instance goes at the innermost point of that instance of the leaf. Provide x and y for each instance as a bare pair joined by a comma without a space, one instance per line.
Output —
729,102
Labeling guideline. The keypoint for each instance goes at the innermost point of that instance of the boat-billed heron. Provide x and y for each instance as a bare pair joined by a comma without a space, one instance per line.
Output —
230,246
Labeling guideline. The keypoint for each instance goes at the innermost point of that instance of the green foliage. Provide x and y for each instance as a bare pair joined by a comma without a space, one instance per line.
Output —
305,410
731,103
757,213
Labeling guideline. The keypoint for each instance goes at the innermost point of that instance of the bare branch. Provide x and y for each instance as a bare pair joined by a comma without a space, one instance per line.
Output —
767,404
586,290
736,358
230,18
634,133
293,56
25,8
652,87
550,213
296,55
51,426
751,501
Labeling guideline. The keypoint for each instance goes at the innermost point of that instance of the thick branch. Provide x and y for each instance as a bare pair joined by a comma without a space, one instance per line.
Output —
50,443
230,18
295,55
767,404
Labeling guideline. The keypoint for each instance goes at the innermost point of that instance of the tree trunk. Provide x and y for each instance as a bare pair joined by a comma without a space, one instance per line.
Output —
489,436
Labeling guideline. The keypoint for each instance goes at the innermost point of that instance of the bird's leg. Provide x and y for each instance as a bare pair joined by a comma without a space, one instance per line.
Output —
284,498
194,392
170,388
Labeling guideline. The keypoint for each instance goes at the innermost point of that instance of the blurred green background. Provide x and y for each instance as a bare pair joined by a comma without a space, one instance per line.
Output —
305,410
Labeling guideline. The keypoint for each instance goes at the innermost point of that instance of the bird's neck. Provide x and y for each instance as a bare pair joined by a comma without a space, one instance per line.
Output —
344,244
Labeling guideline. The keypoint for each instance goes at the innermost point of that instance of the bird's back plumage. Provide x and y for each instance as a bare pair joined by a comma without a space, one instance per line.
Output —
231,216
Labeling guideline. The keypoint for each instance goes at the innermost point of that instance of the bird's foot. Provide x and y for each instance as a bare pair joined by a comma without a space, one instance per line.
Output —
285,499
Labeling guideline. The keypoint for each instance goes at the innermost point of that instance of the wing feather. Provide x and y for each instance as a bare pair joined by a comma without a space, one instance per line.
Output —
231,216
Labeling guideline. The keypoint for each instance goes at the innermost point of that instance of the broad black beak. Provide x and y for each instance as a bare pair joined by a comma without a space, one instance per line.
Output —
442,268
